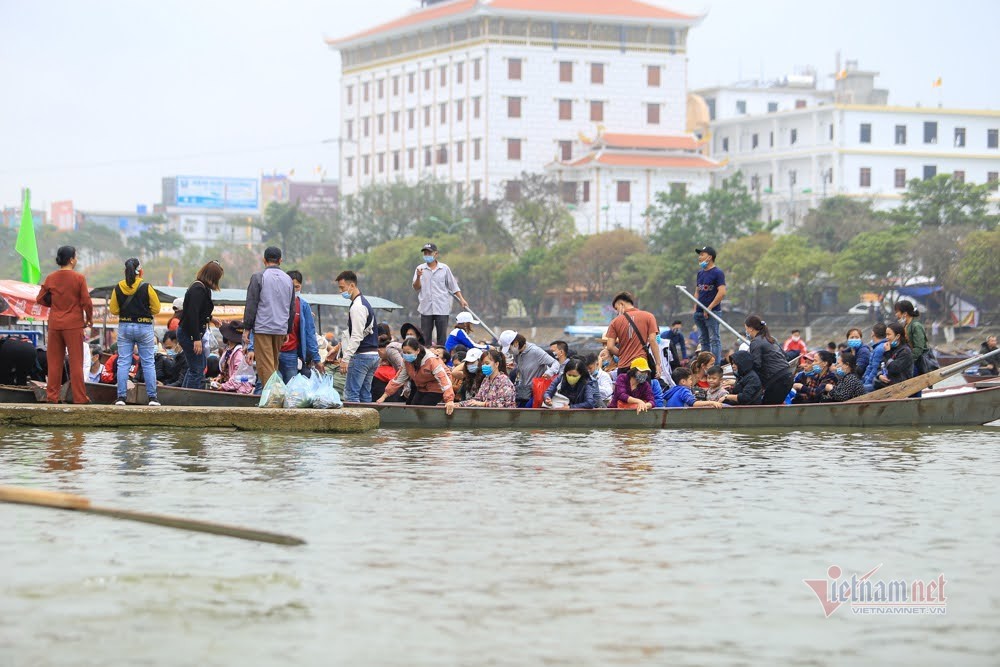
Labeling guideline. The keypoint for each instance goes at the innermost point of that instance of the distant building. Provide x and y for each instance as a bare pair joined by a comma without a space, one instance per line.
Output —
319,200
475,92
796,144
213,211
126,223
11,216
63,215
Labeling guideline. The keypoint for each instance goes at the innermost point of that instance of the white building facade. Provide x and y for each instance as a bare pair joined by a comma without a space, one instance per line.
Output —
476,92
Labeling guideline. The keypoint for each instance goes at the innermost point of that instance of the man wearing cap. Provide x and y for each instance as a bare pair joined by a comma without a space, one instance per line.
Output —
532,362
269,314
710,290
436,283
175,321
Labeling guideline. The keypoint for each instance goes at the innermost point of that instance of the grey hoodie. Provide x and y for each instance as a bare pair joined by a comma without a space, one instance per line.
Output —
270,305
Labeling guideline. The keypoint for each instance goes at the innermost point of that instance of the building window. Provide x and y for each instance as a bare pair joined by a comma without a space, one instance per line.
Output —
411,158
366,91
459,72
475,107
900,135
866,177
565,150
930,171
428,156
597,111
866,133
381,124
993,179
395,86
350,95
565,71
395,121
476,145
958,176
741,107
959,137
366,126
831,131
754,141
381,163
565,109
653,114
725,144
513,107
793,136
512,190
442,154
772,140
366,164
930,132
395,161
586,191
772,107
410,118
514,69
991,138
443,113
350,129
427,116
459,151
710,101
427,79
513,149
624,191
900,179
476,67
477,187
800,104
568,192
459,111
444,75
793,177
653,76
411,81
597,73
350,166
380,86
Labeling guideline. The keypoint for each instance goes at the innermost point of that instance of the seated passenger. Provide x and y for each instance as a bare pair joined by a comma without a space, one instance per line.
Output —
815,389
576,385
632,389
462,333
699,367
849,385
862,353
495,389
875,361
232,358
897,360
681,396
748,390
605,385
431,379
465,377
717,392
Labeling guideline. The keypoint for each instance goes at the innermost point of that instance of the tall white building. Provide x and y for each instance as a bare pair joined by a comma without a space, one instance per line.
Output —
475,92
797,145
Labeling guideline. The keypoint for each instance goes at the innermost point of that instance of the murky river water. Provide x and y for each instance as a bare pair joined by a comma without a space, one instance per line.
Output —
507,548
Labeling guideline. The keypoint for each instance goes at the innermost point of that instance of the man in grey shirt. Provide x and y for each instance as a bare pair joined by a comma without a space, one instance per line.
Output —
532,362
269,314
436,283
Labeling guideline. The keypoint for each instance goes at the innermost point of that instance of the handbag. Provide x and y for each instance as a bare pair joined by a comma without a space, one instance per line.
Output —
650,359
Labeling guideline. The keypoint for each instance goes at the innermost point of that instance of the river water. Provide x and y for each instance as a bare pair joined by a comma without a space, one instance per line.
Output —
500,547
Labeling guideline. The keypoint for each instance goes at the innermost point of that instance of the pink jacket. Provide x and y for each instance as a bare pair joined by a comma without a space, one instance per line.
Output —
230,362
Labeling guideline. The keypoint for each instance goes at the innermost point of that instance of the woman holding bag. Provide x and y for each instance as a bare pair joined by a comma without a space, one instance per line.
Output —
67,296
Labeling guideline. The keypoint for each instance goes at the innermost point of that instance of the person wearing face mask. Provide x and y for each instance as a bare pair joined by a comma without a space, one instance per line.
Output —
359,354
436,284
710,290
848,385
532,363
431,379
632,388
576,386
862,353
898,358
495,390
605,385
466,377
875,361
769,361
794,346
822,379
915,335
300,344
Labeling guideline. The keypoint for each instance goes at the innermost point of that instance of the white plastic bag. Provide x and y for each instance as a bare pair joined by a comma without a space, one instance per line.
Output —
297,392
327,396
273,394
245,372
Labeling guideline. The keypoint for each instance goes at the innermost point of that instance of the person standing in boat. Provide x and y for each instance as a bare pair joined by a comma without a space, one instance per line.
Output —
769,361
436,284
196,315
898,359
916,336
269,314
300,344
633,334
710,290
71,311
136,305
360,357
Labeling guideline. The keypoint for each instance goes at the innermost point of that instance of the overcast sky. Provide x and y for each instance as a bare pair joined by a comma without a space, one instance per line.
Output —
103,98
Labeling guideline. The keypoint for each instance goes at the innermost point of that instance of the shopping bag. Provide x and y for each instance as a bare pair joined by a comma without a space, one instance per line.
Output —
273,394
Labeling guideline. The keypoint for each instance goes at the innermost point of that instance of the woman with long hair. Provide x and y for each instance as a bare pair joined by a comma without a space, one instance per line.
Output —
913,331
431,379
495,389
898,358
862,353
576,384
769,361
196,315
71,311
136,305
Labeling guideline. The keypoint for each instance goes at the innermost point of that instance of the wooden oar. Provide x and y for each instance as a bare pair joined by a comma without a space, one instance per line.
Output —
909,387
69,501
739,336
481,323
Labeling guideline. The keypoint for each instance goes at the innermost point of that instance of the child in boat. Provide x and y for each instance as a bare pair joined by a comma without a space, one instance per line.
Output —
700,365
748,390
715,391
605,385
681,396
849,385
232,359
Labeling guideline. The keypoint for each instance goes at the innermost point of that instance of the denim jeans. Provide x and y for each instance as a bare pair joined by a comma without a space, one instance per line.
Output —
709,328
131,334
360,371
195,376
288,365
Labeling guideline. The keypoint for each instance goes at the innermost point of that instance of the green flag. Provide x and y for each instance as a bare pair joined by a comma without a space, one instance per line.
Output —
31,271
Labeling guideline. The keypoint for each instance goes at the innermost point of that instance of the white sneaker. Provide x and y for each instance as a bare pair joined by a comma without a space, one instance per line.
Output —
120,402
154,404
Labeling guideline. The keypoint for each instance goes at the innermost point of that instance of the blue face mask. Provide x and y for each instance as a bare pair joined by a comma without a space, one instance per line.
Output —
428,258
854,343
346,295
487,371
840,372
595,374
814,370
472,368
894,343
703,265
409,357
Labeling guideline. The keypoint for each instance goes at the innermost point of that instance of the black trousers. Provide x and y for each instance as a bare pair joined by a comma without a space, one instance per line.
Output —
17,361
427,325
424,398
777,390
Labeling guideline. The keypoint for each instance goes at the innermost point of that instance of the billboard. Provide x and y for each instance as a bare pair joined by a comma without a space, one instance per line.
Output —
236,194
63,216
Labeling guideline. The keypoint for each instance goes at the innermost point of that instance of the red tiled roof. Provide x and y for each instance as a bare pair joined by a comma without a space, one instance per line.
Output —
629,9
647,161
649,141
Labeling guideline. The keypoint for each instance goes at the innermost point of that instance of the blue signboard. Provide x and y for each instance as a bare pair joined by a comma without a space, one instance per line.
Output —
240,194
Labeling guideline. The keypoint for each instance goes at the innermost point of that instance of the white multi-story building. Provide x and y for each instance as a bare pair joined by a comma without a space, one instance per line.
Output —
851,143
475,92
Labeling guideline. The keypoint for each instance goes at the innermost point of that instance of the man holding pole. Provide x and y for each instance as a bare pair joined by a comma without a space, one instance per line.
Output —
710,290
436,284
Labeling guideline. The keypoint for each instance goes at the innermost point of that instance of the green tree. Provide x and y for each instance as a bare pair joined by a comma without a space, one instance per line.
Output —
597,265
538,216
837,220
381,213
795,266
652,278
977,270
285,224
873,260
943,201
156,239
742,256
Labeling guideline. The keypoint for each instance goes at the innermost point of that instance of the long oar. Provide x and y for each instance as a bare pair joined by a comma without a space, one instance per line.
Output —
741,337
69,501
913,385
483,324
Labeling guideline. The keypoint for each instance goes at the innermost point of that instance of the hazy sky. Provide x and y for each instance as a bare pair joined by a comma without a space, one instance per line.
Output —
103,98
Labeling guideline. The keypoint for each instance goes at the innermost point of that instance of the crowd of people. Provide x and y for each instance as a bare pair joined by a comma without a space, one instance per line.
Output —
638,367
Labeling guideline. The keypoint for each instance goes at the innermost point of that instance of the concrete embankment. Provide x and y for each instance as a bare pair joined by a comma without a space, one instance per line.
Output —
346,420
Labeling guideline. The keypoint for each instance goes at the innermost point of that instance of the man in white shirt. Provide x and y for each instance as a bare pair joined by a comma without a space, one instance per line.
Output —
436,283
360,349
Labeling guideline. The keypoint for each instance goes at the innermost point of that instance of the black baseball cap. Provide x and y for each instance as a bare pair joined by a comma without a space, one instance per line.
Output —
272,254
430,246
709,249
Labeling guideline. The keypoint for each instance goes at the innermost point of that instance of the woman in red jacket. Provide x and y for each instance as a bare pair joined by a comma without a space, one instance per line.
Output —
66,294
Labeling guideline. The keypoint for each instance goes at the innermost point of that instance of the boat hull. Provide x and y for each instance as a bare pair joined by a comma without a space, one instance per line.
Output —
16,394
969,409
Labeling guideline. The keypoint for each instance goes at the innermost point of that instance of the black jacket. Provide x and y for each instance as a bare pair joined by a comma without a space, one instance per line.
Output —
198,308
768,359
848,387
899,364
749,389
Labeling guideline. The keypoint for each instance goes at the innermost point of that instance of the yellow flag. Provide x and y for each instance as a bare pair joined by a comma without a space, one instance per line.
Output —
937,83
842,74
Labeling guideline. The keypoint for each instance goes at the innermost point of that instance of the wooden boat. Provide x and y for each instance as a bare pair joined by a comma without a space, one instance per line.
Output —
16,394
102,394
973,408
200,397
